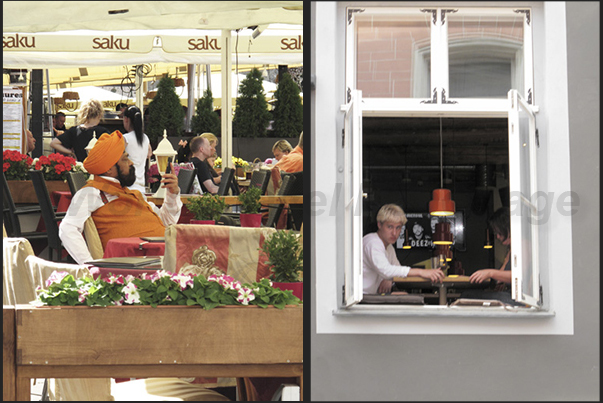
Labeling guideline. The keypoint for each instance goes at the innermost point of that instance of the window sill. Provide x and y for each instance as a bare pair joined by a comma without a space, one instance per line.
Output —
442,311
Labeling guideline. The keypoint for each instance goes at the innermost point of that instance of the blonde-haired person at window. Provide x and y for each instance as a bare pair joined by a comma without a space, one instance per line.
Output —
74,141
380,263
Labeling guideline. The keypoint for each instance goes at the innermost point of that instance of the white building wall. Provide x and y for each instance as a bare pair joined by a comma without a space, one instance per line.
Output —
420,366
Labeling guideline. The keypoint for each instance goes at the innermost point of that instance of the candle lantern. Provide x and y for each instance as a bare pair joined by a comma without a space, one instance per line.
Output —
164,154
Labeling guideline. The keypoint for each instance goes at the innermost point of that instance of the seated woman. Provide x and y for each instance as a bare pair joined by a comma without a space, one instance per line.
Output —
500,224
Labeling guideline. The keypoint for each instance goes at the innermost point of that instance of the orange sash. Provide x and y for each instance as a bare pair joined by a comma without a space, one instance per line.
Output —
127,216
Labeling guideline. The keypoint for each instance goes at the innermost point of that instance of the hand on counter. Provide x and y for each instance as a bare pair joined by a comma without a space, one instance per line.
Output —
385,287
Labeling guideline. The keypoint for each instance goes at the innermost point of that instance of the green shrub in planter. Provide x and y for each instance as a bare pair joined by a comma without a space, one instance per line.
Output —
206,207
285,256
250,200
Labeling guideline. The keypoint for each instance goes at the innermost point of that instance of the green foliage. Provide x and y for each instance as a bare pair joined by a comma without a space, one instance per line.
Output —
205,118
207,206
250,200
161,288
166,112
251,116
285,256
288,110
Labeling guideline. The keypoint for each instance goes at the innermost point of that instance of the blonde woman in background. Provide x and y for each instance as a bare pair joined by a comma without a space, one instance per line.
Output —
281,148
74,141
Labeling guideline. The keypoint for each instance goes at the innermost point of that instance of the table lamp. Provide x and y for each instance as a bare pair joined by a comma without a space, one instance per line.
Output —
165,154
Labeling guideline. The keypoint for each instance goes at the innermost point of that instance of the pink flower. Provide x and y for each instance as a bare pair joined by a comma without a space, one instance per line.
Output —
56,277
82,295
112,279
119,302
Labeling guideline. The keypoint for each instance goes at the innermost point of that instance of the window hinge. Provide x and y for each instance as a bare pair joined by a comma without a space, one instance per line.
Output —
537,139
343,294
540,289
342,138
433,12
351,12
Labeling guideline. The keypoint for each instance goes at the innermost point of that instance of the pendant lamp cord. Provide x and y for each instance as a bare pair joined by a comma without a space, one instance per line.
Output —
441,159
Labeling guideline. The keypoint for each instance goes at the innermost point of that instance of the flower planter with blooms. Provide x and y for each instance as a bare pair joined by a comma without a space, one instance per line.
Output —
240,165
250,207
160,288
207,208
15,165
54,168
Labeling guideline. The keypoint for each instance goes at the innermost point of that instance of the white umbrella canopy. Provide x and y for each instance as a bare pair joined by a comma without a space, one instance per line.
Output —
52,16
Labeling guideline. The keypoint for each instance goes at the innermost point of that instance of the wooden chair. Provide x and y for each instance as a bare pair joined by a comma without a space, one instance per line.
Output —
185,180
76,181
11,215
51,218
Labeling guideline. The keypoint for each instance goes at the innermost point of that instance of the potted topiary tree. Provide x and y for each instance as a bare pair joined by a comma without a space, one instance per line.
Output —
207,208
286,260
165,112
288,110
251,117
206,119
250,207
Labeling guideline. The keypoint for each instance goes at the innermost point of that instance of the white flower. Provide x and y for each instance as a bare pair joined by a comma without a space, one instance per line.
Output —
245,296
131,293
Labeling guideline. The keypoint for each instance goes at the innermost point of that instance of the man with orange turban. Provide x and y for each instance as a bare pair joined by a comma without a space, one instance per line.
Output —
117,211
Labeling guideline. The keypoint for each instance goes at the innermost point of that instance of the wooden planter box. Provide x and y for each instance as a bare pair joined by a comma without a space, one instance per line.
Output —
141,341
23,191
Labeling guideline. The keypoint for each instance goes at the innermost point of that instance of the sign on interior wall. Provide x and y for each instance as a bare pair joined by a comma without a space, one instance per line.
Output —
421,228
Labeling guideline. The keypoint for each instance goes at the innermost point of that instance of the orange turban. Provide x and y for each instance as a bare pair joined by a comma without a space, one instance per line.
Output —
105,153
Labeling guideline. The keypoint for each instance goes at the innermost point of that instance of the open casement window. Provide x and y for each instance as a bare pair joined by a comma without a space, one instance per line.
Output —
522,184
351,142
424,59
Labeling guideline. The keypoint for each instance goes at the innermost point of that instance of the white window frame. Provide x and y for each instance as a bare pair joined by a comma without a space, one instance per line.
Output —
439,103
440,106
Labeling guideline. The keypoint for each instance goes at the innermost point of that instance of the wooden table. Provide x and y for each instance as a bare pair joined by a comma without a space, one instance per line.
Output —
452,281
234,200
167,341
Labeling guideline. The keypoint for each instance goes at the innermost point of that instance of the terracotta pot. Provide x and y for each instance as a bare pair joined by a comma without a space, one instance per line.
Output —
240,172
297,288
23,191
251,220
203,222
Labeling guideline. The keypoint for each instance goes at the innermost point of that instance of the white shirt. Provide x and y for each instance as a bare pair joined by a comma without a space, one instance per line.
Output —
86,201
138,155
379,263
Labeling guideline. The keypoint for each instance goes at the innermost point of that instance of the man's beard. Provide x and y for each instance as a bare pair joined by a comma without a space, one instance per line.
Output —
126,180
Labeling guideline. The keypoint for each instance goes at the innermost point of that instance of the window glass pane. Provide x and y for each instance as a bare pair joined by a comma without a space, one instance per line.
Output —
485,53
393,55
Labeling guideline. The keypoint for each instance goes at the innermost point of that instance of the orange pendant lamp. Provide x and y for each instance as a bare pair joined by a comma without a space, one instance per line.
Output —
442,203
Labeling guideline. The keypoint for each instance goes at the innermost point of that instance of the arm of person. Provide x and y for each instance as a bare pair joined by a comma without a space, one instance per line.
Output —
57,145
172,204
435,275
217,179
376,255
150,151
480,276
210,186
84,202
